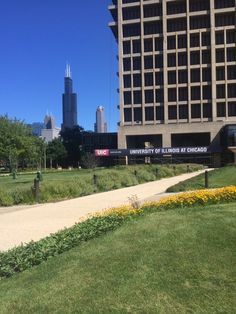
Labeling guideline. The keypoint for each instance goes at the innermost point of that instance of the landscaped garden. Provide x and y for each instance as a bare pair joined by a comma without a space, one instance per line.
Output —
60,185
173,256
217,178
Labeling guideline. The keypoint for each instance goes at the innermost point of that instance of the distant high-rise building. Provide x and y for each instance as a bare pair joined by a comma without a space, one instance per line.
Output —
49,122
100,126
50,130
69,102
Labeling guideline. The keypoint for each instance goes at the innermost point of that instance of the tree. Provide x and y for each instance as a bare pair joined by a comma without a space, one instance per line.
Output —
17,144
72,141
89,161
56,151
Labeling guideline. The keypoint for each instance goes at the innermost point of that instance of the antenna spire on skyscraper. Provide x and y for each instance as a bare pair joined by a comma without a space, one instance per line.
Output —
68,70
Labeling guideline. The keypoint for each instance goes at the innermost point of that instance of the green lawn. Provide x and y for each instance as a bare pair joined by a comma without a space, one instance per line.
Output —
179,261
69,184
217,178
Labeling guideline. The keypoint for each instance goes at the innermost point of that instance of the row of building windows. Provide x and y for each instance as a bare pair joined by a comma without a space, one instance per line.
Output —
174,7
198,111
180,94
179,24
180,41
180,59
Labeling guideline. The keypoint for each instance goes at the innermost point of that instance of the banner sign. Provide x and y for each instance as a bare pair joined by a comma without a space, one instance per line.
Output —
154,151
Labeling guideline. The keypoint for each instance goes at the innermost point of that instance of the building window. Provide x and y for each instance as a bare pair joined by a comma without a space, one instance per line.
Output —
194,40
171,60
137,80
197,22
152,10
232,109
171,42
138,117
206,74
231,72
206,39
183,94
207,92
127,64
172,112
137,97
195,57
149,113
131,30
172,95
220,73
127,98
136,46
148,45
207,110
195,75
182,58
182,41
183,112
160,113
171,77
159,44
195,93
196,111
182,76
220,91
127,81
126,47
148,62
221,110
149,97
148,79
232,90
152,28
159,78
220,38
127,115
158,61
136,63
231,36
231,54
176,25
206,57
159,95
220,55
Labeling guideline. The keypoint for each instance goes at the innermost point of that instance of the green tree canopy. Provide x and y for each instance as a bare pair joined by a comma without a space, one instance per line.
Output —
17,144
56,151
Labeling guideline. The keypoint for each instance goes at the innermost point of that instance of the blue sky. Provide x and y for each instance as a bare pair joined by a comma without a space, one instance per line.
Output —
37,37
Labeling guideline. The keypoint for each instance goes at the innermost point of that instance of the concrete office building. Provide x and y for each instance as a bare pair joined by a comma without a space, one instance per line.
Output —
69,102
50,131
100,126
177,71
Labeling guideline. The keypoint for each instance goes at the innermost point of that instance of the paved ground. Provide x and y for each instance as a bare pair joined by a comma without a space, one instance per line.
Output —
21,224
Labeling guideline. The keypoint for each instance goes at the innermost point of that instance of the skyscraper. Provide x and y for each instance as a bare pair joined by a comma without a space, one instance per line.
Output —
69,102
100,125
177,71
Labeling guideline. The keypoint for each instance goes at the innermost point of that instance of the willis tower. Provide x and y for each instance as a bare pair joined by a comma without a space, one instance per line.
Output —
69,102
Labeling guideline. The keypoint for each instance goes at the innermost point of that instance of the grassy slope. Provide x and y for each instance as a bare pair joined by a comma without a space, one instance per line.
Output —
172,262
217,178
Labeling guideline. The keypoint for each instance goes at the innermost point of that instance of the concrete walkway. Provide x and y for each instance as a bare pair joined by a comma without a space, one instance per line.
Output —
21,224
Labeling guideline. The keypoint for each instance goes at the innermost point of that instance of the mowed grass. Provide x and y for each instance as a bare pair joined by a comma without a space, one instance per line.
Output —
217,178
64,185
179,261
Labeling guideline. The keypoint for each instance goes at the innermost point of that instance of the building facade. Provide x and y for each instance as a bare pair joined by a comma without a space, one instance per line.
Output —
177,71
100,126
69,102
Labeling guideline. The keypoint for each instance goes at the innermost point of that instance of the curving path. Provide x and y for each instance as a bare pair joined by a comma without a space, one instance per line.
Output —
21,224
